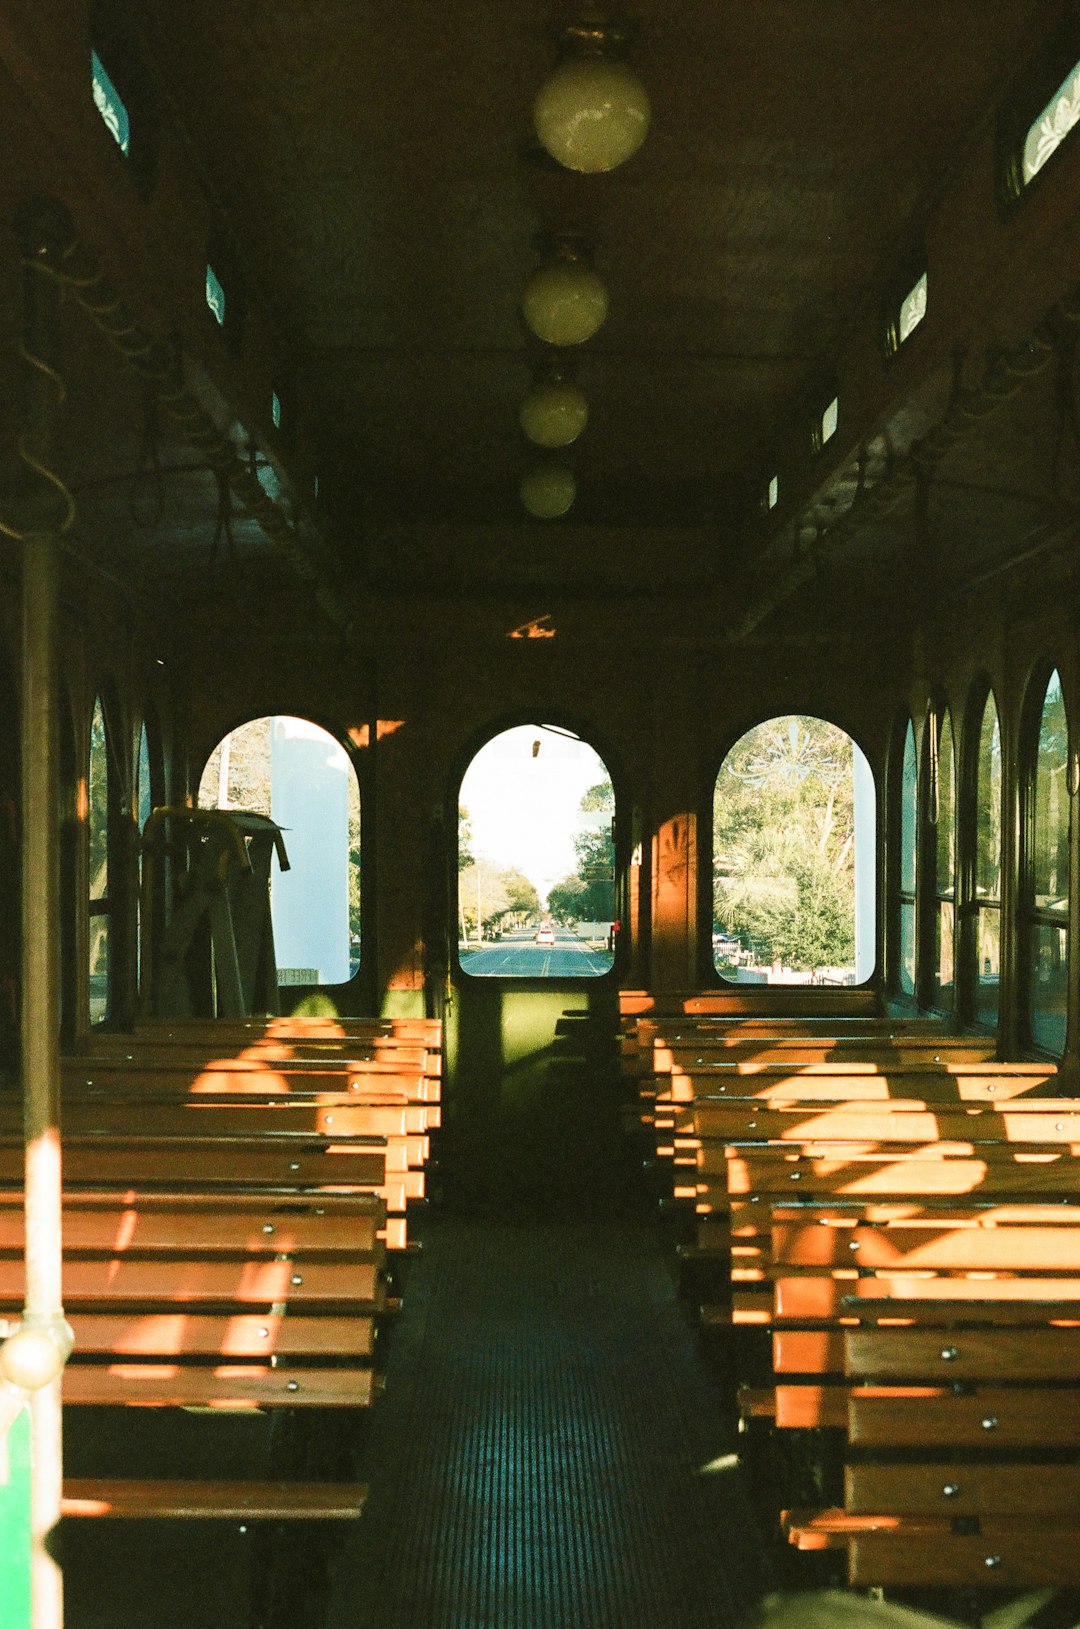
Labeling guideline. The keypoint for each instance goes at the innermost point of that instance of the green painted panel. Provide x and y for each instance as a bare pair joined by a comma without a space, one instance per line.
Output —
15,1524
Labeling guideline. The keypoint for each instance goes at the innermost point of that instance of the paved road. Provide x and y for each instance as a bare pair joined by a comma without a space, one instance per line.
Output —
519,956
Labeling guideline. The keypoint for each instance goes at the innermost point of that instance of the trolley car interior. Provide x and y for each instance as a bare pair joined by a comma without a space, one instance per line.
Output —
631,1295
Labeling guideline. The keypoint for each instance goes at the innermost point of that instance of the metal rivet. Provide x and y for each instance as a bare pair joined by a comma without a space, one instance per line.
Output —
949,1354
1060,1126
329,1119
292,1385
855,1244
992,1561
796,1176
296,1279
268,1227
264,1333
990,1422
991,1089
951,1489
295,1165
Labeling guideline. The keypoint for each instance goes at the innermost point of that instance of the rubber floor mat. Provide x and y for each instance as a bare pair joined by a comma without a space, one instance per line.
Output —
549,1453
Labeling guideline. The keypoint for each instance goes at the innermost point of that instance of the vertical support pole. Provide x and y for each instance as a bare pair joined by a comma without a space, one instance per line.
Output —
43,231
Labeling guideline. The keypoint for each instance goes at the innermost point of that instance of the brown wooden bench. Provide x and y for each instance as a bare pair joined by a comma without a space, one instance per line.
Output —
329,1095
973,1348
215,1301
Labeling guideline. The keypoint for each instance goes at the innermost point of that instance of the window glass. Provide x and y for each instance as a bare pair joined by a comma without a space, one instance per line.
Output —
908,813
1050,851
945,809
98,813
830,419
988,950
146,797
793,857
1052,125
988,867
298,774
536,858
773,494
988,807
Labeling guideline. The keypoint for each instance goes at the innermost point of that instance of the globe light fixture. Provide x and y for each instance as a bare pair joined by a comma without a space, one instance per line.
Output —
565,302
554,413
593,113
548,490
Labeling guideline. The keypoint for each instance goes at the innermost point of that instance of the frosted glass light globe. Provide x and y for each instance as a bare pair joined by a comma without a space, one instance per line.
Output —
565,303
548,490
554,414
592,114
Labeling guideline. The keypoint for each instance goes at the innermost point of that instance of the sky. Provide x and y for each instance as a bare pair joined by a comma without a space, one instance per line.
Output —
525,809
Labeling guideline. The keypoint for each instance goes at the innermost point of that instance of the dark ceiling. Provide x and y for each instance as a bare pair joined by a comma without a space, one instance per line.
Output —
377,168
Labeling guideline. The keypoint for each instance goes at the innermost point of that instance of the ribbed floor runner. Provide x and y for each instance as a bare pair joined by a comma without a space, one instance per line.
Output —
539,1458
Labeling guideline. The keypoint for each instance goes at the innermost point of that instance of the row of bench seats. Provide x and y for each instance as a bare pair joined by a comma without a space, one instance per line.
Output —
900,1218
230,1196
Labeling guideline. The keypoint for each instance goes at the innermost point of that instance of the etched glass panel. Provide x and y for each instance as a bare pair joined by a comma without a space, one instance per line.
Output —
912,310
107,101
98,808
1053,124
215,296
1049,975
988,807
1050,835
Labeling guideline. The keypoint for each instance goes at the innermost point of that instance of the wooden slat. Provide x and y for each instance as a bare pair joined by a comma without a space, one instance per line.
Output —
1005,1555
239,1164
139,1498
1000,1175
195,1283
1048,1249
236,1335
1022,1418
974,1354
135,1227
953,1488
225,1386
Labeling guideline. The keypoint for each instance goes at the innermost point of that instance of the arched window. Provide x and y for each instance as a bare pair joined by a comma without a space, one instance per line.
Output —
536,858
793,857
149,795
985,971
298,774
1047,871
101,840
907,870
941,816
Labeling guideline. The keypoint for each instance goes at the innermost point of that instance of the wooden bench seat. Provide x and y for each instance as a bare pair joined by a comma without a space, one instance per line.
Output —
219,1302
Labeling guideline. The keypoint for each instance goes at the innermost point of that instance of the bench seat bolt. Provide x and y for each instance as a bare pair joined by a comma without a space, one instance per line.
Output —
990,1423
949,1354
264,1334
294,1165
292,1385
296,1279
992,1561
268,1227
951,1489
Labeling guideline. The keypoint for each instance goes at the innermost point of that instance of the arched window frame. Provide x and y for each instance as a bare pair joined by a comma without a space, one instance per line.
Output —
937,865
904,813
1038,921
979,908
349,744
621,948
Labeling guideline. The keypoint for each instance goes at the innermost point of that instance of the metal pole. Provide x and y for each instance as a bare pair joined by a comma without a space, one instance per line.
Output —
43,229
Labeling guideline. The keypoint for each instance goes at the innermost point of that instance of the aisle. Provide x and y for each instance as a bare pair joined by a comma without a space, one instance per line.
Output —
538,1459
